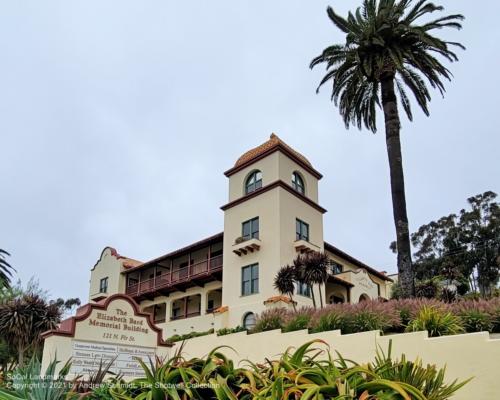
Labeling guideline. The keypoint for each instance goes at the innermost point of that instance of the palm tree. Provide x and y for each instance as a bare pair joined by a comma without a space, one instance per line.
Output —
284,282
316,270
385,49
5,270
301,275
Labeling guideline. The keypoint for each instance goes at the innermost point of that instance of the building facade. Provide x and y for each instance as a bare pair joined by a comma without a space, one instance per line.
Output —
272,215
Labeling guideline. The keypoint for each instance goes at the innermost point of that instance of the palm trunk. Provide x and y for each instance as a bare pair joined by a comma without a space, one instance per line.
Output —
320,296
393,143
20,355
293,302
311,289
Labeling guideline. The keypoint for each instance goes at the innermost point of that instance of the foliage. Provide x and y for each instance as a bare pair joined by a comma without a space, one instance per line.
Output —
229,331
372,315
298,320
297,374
428,288
463,248
330,318
381,41
23,320
284,282
428,379
28,383
436,322
5,270
178,338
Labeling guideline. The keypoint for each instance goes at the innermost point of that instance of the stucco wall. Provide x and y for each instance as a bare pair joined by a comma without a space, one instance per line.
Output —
469,355
109,267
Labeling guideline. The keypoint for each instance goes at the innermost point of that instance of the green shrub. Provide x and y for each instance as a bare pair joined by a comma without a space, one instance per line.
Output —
372,315
428,289
190,335
297,322
228,331
436,322
329,319
476,321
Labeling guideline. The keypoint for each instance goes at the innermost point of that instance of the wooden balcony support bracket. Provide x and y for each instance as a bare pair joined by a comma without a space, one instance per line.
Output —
248,246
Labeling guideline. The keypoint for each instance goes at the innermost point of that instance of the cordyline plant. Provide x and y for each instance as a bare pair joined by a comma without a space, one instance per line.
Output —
387,51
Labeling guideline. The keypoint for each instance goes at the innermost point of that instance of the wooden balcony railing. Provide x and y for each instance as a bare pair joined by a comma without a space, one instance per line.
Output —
183,316
176,277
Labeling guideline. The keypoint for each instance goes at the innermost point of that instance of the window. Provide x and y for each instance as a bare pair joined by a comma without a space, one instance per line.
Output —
303,289
250,280
253,182
103,285
250,229
298,183
210,305
336,268
249,320
301,230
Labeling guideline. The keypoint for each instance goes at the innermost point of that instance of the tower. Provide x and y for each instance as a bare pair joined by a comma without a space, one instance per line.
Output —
272,214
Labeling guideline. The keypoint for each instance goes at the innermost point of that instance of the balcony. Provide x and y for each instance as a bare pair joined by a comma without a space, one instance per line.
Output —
246,246
178,279
303,246
184,316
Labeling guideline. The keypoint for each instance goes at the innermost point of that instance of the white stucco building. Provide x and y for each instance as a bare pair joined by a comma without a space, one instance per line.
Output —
272,214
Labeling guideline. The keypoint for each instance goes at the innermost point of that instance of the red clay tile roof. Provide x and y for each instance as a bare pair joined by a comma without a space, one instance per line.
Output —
126,262
335,250
277,299
273,142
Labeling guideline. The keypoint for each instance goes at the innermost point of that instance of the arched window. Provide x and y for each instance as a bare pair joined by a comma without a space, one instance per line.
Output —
249,320
364,297
253,182
298,183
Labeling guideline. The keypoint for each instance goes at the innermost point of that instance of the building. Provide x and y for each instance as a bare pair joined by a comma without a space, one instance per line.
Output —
272,214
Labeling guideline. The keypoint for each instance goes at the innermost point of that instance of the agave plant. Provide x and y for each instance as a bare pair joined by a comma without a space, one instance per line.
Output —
28,383
301,373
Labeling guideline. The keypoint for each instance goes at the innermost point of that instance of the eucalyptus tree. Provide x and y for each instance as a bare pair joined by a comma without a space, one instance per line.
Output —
388,51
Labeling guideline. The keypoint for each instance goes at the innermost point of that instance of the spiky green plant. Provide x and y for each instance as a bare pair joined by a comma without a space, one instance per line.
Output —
387,51
23,319
31,383
436,322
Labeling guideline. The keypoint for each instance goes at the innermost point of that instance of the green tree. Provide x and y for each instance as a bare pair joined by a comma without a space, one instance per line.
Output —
386,52
463,247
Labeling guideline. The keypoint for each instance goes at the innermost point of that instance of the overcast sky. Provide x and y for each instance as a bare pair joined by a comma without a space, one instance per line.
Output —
118,118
